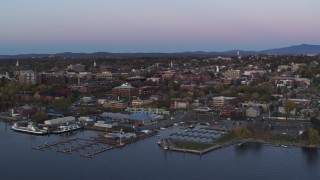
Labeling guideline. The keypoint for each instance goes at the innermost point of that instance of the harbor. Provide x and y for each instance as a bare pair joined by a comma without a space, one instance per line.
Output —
158,163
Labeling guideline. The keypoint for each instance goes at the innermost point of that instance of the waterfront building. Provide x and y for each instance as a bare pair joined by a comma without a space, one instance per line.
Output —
134,118
58,121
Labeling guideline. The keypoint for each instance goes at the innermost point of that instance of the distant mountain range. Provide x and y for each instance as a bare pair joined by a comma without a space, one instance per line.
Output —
303,49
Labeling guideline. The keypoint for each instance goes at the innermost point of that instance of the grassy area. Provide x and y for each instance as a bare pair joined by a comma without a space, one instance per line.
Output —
283,139
226,138
192,145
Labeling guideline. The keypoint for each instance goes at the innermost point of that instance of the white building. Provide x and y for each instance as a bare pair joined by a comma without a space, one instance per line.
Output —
253,112
58,121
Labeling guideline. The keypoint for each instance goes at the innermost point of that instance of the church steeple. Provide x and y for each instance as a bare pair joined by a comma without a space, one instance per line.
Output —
17,63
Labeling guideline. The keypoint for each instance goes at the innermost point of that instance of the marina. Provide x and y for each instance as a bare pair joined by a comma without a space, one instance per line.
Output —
88,147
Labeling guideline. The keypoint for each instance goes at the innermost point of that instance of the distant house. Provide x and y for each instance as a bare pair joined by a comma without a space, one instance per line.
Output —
264,106
188,88
232,74
180,104
141,102
253,112
222,101
226,111
115,104
282,110
238,113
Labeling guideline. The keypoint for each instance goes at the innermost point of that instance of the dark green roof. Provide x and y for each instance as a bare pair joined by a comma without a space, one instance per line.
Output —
125,86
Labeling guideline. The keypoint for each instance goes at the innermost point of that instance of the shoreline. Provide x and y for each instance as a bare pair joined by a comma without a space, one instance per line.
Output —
281,144
240,142
8,118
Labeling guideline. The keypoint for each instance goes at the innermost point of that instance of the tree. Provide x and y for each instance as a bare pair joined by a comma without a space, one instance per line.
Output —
185,95
288,107
313,135
255,96
315,122
219,88
172,94
63,103
266,97
242,132
163,103
41,116
202,93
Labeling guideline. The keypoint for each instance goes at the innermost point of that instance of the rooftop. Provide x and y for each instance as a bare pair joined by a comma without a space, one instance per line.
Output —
125,86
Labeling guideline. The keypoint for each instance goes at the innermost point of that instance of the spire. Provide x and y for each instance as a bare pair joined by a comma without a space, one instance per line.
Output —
239,56
94,64
17,63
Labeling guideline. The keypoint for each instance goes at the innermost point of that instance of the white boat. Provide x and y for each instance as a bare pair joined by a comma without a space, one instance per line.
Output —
30,128
66,128
120,144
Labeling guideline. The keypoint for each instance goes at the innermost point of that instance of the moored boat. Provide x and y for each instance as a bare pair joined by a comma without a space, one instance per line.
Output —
31,128
120,145
66,128
159,142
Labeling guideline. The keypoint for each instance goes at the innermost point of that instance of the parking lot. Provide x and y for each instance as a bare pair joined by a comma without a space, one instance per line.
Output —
199,133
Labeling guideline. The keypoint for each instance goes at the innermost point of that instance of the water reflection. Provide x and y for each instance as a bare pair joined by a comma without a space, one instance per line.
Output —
311,154
248,147
68,134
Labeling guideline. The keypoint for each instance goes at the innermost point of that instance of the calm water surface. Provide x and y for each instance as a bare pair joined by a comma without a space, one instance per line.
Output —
145,160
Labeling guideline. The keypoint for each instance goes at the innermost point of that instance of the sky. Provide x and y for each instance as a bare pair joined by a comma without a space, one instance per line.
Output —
38,26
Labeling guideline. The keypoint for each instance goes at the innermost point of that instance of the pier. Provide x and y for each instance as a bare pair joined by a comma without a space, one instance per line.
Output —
8,118
78,147
54,144
98,151
98,145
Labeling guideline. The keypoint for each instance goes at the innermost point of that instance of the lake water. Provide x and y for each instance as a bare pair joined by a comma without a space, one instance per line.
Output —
145,160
